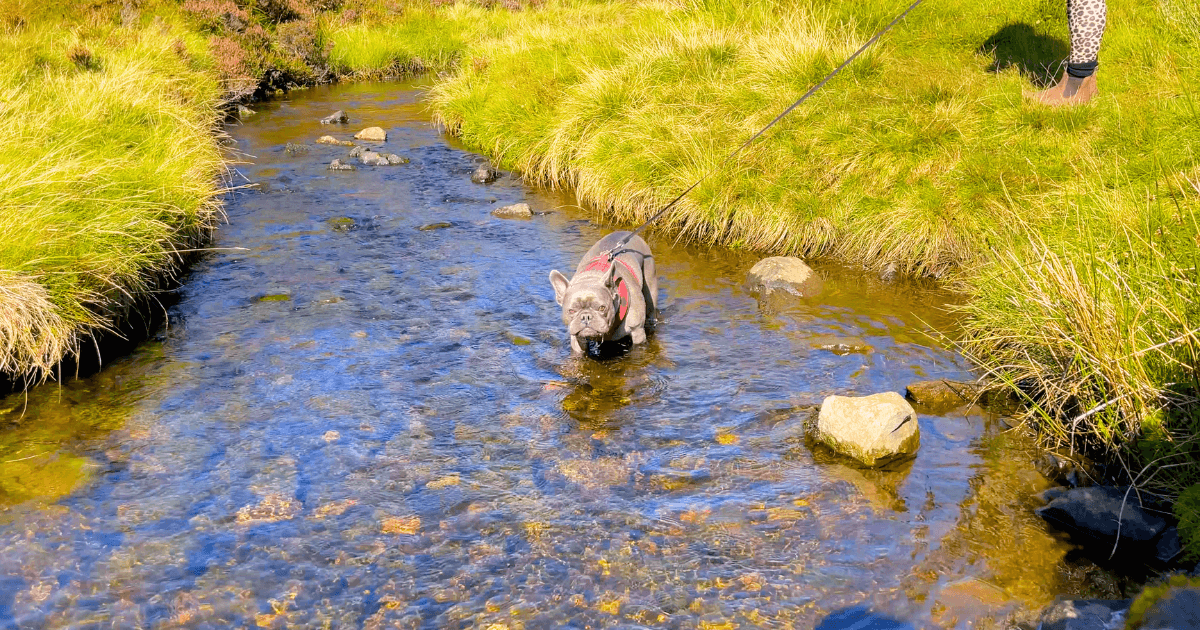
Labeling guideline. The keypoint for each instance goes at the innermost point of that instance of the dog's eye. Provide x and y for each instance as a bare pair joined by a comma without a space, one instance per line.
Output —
603,308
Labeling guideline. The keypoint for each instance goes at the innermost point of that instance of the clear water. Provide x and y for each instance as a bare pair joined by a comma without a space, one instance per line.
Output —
354,422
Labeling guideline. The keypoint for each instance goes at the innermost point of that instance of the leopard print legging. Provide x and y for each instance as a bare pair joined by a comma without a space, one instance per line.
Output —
1086,19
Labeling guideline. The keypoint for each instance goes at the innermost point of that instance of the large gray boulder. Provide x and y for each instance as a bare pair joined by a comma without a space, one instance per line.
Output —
1179,608
1085,614
783,273
872,429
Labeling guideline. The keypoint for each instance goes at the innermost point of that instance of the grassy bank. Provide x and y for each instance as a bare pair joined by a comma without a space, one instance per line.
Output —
109,169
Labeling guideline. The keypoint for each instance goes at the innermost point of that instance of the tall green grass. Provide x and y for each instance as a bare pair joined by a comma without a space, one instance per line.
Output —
110,169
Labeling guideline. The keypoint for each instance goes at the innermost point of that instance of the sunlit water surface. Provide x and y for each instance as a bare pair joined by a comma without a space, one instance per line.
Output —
353,422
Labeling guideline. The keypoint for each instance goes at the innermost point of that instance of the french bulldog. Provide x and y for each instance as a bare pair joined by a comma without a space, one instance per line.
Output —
606,301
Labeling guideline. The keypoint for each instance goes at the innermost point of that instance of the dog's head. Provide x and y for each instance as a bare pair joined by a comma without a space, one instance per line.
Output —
590,303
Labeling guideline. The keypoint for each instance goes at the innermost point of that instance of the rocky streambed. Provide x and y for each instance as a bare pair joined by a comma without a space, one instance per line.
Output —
364,413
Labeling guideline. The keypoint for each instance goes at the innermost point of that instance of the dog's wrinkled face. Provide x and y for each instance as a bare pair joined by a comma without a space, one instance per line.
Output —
589,307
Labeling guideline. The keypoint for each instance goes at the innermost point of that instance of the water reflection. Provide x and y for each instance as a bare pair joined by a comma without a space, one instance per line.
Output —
400,437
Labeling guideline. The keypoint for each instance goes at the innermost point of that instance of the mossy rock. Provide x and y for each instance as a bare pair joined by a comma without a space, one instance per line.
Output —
1145,610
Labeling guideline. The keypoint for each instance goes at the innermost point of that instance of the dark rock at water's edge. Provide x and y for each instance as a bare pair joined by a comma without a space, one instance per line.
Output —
1177,609
942,395
860,618
243,111
1095,517
293,148
1085,614
338,117
485,175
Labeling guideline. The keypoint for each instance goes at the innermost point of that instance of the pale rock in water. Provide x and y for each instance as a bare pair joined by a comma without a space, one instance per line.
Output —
338,165
515,211
783,273
872,429
332,140
371,158
372,134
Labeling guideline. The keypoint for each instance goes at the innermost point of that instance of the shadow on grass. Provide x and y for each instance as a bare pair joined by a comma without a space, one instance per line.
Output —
1038,57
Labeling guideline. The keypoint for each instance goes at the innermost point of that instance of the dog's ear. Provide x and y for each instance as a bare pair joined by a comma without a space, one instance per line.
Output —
559,282
610,278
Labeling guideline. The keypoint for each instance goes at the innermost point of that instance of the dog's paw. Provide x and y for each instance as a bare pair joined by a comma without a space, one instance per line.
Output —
638,335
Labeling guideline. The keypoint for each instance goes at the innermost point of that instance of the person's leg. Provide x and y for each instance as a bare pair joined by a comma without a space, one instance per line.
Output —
1086,19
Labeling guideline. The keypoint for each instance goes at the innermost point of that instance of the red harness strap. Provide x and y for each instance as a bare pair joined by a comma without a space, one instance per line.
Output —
600,263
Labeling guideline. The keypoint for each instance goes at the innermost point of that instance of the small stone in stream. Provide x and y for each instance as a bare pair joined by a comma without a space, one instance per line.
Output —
942,395
889,272
371,158
244,111
337,165
342,224
394,159
515,211
440,225
296,149
331,436
372,134
357,152
872,429
783,273
332,140
1084,614
338,117
484,175
1094,516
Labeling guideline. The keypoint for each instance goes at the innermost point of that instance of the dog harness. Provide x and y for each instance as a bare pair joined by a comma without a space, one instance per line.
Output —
600,264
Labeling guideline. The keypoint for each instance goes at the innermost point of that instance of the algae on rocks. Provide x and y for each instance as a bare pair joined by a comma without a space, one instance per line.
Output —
871,429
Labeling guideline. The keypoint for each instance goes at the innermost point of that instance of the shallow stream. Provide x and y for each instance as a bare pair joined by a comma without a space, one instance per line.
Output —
352,421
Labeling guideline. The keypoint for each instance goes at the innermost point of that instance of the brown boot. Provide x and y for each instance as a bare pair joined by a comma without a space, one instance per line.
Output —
1068,91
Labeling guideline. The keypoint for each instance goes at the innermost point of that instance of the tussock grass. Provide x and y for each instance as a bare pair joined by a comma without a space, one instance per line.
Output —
110,169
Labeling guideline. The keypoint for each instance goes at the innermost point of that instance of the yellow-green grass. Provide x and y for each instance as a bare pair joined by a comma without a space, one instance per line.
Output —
1072,230
110,170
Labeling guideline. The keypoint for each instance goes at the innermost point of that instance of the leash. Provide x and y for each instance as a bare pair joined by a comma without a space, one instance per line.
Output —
612,253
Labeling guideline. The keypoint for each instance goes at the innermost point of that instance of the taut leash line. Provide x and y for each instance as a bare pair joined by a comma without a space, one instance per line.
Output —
612,252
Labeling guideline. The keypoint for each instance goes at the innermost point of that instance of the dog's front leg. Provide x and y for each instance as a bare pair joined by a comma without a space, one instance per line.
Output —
638,335
576,348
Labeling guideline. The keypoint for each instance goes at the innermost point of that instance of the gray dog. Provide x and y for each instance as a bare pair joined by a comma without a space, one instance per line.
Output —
609,301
